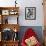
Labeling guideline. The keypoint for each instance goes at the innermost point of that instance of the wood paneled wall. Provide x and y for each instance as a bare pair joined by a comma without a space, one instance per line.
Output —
44,8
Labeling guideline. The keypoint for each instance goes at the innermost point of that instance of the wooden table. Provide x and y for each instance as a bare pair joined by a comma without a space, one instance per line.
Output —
9,43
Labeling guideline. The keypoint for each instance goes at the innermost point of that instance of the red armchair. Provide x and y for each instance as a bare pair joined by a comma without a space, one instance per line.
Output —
29,34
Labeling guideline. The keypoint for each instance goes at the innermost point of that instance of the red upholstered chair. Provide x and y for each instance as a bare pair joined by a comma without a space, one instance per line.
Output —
29,33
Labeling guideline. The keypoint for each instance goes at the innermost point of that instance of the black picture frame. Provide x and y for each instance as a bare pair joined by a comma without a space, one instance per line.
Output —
30,13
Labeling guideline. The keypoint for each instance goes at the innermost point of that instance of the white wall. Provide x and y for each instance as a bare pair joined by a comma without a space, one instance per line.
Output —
27,3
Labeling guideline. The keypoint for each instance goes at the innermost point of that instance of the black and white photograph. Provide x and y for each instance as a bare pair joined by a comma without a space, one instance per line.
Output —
30,13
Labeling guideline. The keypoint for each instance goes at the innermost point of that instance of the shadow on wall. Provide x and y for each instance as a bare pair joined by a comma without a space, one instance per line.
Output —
37,29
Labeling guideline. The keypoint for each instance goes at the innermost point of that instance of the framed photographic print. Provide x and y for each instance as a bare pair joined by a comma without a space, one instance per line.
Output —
13,20
30,13
5,12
